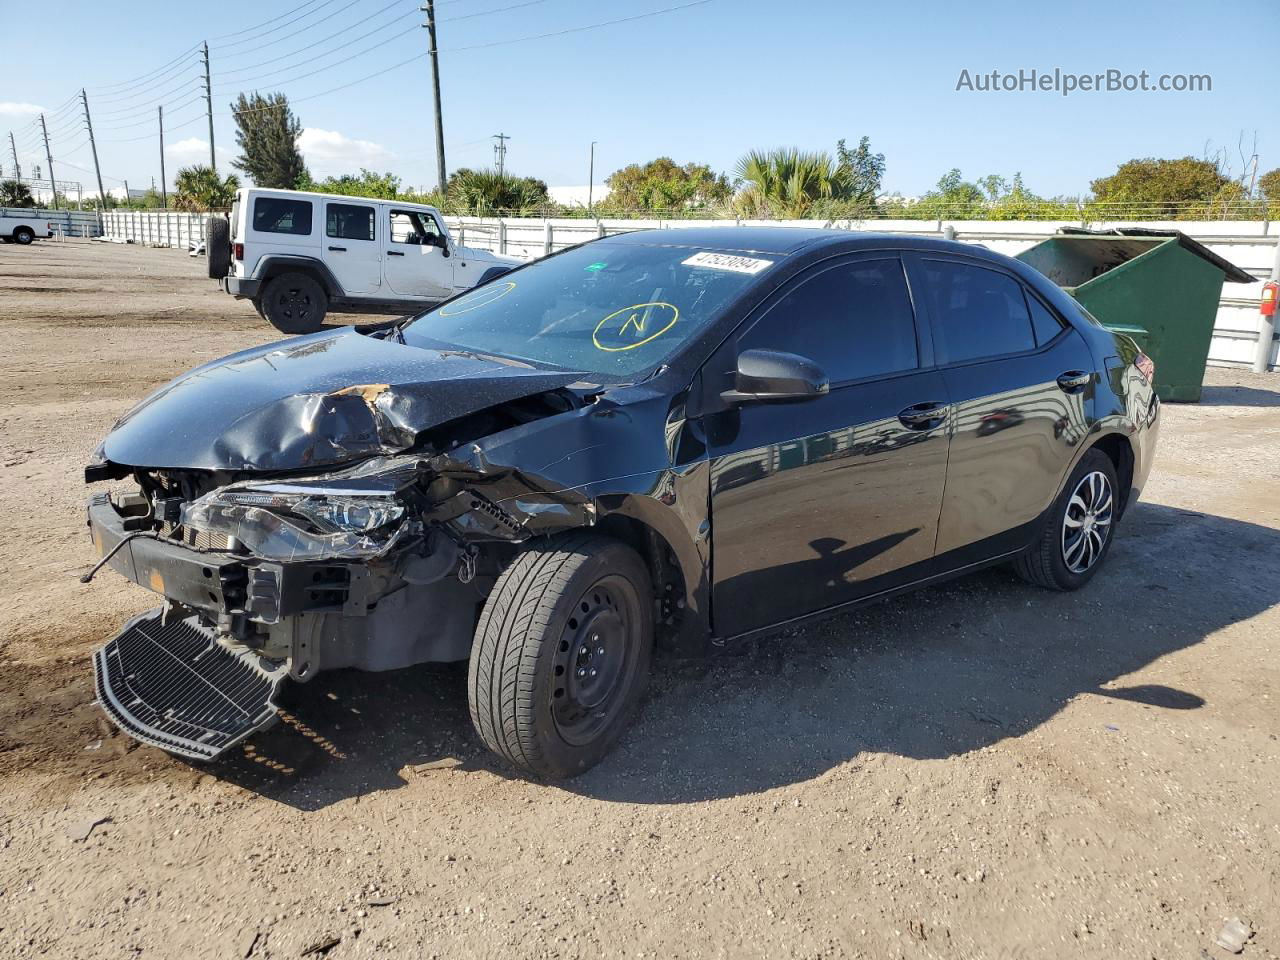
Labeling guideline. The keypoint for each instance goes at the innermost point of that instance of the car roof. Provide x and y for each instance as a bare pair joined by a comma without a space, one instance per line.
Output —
311,195
786,241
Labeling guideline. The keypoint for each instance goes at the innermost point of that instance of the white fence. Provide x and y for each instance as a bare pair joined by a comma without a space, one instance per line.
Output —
1249,244
156,228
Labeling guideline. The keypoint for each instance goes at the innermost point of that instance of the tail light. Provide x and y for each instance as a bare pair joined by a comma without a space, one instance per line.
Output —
237,250
1146,366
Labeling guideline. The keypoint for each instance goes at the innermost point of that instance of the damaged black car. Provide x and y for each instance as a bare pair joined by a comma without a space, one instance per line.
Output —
664,441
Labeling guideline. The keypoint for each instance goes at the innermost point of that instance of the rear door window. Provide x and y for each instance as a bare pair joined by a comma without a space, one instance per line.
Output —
282,215
975,312
348,221
1045,321
854,320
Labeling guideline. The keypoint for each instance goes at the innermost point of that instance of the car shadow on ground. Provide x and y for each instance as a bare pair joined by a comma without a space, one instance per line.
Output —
929,675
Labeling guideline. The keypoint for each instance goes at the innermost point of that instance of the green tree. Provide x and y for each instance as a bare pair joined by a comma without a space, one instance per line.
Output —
1269,185
200,189
1159,188
785,183
488,193
267,132
15,193
664,185
367,183
862,172
956,198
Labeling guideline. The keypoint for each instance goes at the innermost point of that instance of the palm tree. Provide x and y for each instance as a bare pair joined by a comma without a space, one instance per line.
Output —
200,189
15,193
785,183
487,192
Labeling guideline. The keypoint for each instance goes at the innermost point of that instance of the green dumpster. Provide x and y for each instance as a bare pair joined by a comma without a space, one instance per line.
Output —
1160,287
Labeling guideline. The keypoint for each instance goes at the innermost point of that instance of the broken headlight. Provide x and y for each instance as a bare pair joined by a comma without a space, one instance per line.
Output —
308,520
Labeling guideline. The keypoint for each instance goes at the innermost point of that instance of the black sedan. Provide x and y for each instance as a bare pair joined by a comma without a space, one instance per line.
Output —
667,440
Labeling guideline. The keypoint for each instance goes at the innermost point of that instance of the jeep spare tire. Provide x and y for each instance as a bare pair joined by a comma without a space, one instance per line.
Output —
294,303
218,247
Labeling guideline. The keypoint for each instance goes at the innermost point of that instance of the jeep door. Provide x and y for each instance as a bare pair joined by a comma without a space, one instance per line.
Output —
351,247
416,264
1020,379
821,501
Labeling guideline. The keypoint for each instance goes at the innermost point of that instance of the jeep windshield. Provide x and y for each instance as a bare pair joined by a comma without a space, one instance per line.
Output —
611,309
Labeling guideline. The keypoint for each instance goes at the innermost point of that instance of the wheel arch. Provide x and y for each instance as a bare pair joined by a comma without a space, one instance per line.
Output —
1119,450
270,267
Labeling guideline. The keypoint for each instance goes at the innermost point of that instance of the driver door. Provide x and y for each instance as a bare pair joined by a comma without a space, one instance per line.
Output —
820,501
413,265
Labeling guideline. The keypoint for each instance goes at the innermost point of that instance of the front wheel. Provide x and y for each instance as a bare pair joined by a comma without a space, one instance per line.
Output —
561,654
294,303
1077,531
23,235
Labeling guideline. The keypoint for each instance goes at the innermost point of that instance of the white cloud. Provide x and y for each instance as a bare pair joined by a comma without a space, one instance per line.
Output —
191,150
329,152
9,108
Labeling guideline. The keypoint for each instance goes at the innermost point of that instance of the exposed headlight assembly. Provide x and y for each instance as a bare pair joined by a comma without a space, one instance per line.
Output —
347,516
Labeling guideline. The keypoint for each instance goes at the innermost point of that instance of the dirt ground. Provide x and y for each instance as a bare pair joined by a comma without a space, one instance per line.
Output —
985,770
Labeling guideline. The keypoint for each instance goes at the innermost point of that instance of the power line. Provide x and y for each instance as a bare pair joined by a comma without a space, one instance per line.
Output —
347,41
486,13
272,43
145,76
172,74
328,67
263,33
259,26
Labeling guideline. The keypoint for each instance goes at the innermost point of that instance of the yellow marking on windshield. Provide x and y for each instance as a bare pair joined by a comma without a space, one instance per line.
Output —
638,316
474,301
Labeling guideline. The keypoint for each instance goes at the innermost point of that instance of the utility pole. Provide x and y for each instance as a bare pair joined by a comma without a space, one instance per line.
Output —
500,152
17,169
430,9
126,192
208,102
53,184
102,194
164,190
591,176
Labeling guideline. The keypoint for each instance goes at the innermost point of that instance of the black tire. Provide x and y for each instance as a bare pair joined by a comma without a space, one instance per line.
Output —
23,235
1067,553
257,305
561,654
218,247
294,303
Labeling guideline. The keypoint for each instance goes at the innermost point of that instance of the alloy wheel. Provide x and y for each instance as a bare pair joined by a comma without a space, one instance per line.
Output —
1086,525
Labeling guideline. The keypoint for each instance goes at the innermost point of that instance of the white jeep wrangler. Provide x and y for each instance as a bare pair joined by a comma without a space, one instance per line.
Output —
295,254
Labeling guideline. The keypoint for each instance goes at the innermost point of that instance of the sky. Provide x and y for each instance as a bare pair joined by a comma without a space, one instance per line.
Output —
705,83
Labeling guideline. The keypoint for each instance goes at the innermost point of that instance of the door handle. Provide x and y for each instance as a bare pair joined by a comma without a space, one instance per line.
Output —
395,253
339,249
1073,381
924,416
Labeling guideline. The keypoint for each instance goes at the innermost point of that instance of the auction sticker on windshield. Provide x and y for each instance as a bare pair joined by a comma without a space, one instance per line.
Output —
727,261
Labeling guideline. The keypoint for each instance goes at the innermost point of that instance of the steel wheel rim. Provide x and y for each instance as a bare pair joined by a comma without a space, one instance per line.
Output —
294,303
592,661
1086,524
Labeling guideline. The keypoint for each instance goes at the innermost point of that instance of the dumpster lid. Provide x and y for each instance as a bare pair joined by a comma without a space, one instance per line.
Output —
1231,273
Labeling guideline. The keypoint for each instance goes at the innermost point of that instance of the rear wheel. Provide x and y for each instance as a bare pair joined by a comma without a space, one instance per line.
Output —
1077,530
294,303
23,235
561,654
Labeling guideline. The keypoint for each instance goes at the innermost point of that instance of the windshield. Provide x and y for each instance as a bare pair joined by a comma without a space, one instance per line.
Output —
612,309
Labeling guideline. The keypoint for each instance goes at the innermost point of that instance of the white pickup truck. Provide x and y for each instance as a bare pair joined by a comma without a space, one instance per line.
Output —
19,226
296,254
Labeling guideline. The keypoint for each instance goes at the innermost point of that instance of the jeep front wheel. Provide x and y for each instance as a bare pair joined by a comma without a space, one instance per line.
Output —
294,303
561,654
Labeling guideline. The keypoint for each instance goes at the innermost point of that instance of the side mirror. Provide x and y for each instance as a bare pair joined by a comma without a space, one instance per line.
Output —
764,375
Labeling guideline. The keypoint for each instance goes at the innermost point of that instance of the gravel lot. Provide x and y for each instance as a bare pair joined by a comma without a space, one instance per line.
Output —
984,770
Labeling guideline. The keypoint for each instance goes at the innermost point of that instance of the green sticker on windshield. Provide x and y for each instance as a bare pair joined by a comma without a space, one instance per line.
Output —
598,265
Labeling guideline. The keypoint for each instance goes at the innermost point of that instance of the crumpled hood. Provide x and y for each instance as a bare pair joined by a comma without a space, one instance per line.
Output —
330,398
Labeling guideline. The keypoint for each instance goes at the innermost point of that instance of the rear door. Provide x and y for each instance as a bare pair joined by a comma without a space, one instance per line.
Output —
351,246
414,267
819,502
1019,379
